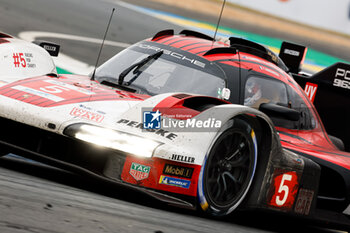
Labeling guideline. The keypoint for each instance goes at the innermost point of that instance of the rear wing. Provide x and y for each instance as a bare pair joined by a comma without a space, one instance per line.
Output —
329,90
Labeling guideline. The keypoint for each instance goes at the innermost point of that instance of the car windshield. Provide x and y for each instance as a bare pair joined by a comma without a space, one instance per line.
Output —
168,72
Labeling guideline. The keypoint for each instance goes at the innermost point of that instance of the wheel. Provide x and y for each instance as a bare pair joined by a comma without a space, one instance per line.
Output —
228,170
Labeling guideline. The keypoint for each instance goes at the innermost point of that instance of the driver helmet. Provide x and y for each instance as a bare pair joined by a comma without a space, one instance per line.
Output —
252,92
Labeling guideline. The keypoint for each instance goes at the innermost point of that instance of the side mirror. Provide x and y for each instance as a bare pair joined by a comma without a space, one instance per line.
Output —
279,111
52,48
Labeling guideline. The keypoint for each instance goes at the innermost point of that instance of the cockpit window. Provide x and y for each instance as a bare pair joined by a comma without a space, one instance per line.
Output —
260,90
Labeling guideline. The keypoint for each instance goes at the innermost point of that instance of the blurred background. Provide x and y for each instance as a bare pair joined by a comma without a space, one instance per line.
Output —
79,25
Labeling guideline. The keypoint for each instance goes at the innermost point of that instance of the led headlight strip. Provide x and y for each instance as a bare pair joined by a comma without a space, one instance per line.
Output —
125,142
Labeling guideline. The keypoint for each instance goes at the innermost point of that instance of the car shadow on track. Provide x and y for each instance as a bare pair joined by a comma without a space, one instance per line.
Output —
262,221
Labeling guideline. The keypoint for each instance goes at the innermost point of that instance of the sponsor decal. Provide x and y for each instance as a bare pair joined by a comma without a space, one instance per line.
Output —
303,204
91,109
292,52
284,188
182,158
342,78
164,133
151,120
18,60
310,90
139,171
273,56
23,60
174,182
50,48
85,114
185,172
173,54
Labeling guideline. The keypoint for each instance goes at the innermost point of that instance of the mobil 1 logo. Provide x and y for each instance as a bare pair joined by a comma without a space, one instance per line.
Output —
173,170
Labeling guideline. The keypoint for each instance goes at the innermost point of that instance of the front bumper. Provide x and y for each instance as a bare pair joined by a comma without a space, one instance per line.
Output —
82,158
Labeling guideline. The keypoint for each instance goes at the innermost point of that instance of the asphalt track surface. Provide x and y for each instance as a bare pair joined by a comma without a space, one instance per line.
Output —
37,198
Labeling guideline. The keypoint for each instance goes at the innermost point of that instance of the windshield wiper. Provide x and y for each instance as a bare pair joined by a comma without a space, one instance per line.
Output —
137,66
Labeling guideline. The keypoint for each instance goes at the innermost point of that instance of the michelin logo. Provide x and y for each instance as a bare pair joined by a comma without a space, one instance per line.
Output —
174,182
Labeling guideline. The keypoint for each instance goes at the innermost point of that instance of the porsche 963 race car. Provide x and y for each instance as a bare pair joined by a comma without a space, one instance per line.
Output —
191,121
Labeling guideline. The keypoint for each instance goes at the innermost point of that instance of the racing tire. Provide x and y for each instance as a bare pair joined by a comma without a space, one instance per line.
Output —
228,170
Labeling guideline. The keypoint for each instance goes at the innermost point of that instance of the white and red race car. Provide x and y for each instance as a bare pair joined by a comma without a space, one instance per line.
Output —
132,124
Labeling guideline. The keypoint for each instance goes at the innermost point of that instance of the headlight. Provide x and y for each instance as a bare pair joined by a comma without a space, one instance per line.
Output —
113,139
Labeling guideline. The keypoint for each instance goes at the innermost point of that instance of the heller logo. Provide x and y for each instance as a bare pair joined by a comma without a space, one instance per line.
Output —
151,120
139,171
174,182
181,158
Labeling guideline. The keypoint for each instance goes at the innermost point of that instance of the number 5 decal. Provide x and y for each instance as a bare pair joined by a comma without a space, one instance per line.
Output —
284,188
54,89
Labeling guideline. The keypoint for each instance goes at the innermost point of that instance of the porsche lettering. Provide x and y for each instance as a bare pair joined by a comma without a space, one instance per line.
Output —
341,83
174,54
343,73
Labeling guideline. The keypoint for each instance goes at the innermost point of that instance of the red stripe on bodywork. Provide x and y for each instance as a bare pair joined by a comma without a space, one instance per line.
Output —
172,107
79,89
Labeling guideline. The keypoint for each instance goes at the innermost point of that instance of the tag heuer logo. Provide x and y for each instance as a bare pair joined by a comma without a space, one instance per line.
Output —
139,171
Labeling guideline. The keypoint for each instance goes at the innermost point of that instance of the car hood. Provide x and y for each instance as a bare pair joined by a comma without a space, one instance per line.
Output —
48,102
